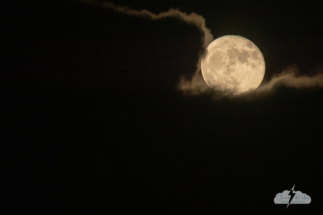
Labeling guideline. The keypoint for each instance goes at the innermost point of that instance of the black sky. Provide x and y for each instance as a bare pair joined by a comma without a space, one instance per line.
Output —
93,122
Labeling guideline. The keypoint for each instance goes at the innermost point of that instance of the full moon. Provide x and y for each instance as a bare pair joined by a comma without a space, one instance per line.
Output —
233,64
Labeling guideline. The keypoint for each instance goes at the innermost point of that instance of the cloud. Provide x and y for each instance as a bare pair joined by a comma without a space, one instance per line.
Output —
195,84
289,78
299,198
192,18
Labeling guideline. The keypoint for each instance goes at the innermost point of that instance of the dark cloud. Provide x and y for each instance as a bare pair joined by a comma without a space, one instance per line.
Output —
192,18
195,84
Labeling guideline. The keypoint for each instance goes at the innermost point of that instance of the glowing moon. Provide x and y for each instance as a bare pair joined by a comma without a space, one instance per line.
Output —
234,64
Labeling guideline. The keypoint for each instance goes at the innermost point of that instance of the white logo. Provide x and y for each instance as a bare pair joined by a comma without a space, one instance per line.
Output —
292,197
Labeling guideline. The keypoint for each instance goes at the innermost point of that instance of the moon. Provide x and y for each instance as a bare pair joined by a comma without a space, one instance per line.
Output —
233,64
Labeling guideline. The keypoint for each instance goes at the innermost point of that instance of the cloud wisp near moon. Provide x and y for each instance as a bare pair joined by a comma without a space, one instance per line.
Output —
195,84
192,18
289,78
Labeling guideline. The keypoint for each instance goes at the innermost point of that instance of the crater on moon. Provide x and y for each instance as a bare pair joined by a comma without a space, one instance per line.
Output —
233,63
249,44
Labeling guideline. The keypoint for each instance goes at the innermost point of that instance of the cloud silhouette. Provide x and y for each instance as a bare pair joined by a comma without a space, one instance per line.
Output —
299,198
192,18
195,84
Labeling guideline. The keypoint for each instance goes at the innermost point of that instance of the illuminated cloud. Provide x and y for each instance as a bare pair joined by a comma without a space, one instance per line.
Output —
192,18
195,84
288,78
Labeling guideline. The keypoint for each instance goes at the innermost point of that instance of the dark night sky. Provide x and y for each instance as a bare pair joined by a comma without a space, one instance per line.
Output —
92,122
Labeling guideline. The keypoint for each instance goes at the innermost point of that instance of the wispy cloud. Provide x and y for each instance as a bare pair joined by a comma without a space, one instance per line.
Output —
195,84
191,18
289,78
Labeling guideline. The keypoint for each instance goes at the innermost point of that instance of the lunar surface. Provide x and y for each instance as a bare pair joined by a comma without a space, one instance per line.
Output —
233,64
